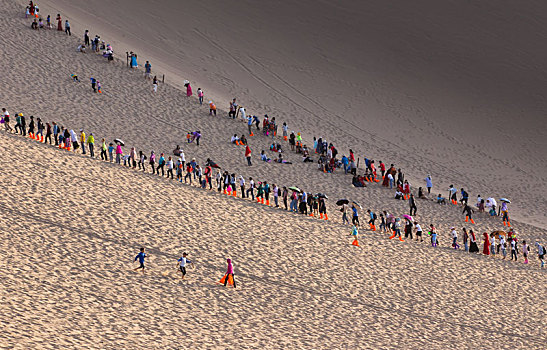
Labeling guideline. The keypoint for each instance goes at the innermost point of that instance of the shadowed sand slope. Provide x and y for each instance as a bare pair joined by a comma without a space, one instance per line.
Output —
449,88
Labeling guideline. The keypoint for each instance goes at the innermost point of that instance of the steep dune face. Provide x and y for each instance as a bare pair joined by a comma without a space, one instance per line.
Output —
449,88
71,225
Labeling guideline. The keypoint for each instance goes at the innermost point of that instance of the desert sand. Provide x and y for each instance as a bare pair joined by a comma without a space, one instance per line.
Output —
72,225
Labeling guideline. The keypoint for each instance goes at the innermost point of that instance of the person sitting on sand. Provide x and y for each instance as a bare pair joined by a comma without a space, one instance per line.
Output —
235,139
398,194
441,199
281,160
264,157
34,25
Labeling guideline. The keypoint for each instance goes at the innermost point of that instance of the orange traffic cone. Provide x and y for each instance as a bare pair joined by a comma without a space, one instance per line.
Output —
355,243
326,217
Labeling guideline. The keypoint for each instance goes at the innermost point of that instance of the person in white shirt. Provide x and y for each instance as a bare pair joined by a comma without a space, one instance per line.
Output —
170,167
503,247
183,261
454,234
418,231
242,112
276,195
235,139
251,189
242,186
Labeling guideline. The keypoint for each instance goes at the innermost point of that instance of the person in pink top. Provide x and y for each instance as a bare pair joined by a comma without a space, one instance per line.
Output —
188,90
119,154
200,96
229,271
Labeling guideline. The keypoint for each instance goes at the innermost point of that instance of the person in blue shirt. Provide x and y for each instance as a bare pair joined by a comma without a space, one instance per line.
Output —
345,161
140,257
110,152
182,263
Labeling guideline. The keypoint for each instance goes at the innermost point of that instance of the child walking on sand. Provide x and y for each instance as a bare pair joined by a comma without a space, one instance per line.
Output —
140,257
182,263
525,251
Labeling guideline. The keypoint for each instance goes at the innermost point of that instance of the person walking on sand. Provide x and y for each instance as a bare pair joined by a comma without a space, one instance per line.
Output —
355,217
503,246
454,235
200,96
229,272
119,154
525,251
183,261
67,28
468,213
147,70
103,150
48,133
248,155
140,257
428,183
541,253
412,204
6,120
82,140
465,239
486,246
514,249
419,232
91,145
111,152
433,234
452,191
344,211
212,108
59,23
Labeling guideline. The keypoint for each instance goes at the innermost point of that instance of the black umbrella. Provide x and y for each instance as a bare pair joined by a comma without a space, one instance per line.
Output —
342,201
120,142
357,204
321,195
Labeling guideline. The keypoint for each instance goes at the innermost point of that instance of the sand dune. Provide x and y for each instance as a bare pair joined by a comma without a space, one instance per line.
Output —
444,88
72,225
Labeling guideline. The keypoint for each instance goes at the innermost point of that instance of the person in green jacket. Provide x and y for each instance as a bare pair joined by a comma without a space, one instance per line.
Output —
260,193
103,150
91,144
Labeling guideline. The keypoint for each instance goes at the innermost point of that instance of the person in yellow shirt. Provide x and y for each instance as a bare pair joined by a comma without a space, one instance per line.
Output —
82,140
91,144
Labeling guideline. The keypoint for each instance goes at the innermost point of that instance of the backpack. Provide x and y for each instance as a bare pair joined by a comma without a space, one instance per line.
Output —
374,215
